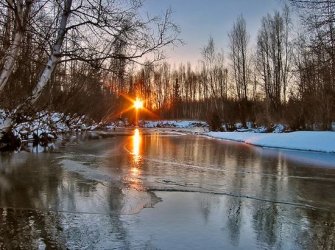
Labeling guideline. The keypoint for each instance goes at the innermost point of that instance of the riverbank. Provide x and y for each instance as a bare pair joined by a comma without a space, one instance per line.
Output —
316,141
46,126
323,141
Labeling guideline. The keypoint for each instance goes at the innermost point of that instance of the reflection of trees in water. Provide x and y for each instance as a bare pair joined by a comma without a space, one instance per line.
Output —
282,227
207,204
30,229
234,219
279,225
115,200
237,160
265,215
265,223
321,230
33,184
36,185
205,207
249,172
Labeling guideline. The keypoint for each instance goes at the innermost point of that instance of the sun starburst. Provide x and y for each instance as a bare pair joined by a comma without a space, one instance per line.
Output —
138,104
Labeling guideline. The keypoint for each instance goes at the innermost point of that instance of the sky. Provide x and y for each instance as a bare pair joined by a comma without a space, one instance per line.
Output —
200,19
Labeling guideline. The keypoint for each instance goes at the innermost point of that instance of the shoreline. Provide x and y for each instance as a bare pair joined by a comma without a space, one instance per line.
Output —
308,141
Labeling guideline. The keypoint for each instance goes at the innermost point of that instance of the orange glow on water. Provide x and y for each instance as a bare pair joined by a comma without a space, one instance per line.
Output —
135,170
137,139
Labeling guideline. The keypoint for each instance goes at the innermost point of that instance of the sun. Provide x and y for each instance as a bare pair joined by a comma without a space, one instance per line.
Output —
138,104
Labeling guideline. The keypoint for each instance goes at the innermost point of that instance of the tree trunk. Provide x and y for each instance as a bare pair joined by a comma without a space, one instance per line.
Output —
21,17
55,54
10,59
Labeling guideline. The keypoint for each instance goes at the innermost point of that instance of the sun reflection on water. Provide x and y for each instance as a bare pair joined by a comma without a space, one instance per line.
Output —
135,171
137,139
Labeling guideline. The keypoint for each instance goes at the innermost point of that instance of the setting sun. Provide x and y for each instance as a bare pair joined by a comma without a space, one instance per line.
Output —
138,104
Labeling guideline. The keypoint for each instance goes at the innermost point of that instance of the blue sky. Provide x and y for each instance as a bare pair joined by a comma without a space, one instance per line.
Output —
199,19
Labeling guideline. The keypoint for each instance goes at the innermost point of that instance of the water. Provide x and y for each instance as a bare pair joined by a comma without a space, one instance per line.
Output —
166,191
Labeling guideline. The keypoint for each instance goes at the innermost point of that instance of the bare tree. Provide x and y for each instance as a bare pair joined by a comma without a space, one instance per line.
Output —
213,73
273,56
56,51
239,39
315,61
105,32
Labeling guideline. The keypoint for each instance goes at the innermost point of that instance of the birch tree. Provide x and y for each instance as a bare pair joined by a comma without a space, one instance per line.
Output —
101,27
55,55
20,10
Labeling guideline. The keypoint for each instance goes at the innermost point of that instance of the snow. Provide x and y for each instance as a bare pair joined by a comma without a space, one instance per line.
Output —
44,124
303,140
278,128
238,125
174,123
4,122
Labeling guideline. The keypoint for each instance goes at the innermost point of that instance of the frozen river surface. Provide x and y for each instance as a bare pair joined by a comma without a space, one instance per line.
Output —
152,190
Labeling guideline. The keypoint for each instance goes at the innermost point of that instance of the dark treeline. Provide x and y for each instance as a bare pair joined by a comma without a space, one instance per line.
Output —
287,76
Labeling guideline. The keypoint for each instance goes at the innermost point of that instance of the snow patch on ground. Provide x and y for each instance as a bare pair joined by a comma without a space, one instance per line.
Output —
174,124
40,127
303,140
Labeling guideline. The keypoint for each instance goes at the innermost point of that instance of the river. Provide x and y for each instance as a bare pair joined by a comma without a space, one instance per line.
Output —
158,190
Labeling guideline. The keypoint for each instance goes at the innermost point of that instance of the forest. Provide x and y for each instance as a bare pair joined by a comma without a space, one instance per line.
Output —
86,57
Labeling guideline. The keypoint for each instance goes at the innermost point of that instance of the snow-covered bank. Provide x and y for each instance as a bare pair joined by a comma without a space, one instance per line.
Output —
302,140
174,124
40,127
